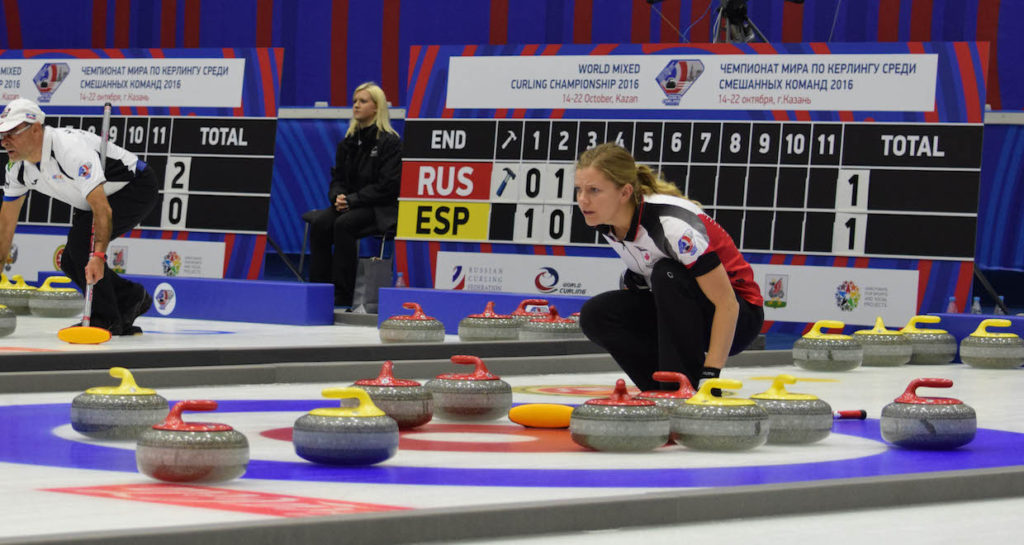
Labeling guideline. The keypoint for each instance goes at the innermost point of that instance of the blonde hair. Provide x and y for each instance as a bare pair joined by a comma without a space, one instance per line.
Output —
381,119
619,166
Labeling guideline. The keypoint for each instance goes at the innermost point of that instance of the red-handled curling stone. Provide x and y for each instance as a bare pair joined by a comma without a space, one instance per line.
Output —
192,452
351,436
916,422
619,423
550,328
794,418
488,326
529,309
670,399
407,401
705,422
121,412
414,328
474,396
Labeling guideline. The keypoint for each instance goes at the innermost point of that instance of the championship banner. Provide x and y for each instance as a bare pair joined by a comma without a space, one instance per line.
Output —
873,82
198,82
854,167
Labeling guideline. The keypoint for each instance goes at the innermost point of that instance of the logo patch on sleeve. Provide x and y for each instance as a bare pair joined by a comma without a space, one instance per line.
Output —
84,171
685,244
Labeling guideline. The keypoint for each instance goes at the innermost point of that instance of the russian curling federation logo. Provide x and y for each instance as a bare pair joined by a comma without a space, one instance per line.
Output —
778,286
677,77
546,280
458,278
49,78
847,296
171,263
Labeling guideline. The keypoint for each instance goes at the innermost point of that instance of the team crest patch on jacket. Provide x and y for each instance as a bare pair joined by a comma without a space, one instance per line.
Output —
686,245
84,171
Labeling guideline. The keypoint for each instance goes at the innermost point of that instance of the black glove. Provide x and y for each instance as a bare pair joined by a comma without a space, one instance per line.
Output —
633,281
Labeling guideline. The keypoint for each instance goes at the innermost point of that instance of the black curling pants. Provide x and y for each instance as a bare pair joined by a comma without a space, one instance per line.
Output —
112,295
342,230
666,328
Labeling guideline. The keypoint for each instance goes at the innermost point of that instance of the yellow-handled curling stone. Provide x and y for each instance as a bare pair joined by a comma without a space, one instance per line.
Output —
15,294
117,412
706,422
8,321
351,436
794,418
817,351
884,347
53,302
931,346
987,350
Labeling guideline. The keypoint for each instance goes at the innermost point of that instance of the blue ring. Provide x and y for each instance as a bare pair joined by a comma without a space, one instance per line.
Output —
29,441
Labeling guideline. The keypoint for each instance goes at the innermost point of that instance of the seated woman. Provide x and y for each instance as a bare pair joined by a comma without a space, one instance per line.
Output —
690,299
365,182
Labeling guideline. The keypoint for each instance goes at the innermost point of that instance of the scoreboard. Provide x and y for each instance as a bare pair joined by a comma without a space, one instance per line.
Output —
215,172
831,188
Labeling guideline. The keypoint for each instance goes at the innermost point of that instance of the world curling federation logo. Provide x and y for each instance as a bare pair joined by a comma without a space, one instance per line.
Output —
677,77
171,263
847,296
546,280
49,78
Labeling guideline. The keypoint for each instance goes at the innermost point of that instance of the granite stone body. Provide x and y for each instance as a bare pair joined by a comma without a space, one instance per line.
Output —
415,328
111,416
986,350
470,400
932,348
8,321
720,428
52,302
345,440
618,428
488,326
827,354
550,327
409,406
929,423
797,421
15,295
192,456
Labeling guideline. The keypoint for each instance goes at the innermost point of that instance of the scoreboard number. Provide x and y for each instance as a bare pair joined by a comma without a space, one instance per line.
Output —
848,233
852,190
173,212
557,184
176,177
542,224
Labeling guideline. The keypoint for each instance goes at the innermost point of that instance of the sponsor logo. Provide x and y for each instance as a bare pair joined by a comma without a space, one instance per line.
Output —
458,278
49,77
546,280
778,288
171,264
85,171
57,255
685,244
847,296
118,263
677,77
165,298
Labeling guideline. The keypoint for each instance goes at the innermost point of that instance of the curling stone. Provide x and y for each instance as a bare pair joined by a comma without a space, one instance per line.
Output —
883,347
121,412
794,418
705,422
8,321
669,399
406,401
932,423
348,436
931,346
528,310
414,328
476,396
56,302
986,350
488,326
192,452
15,294
817,351
550,328
619,423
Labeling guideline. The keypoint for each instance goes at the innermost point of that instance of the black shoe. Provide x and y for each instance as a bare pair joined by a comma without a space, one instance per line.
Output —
134,311
130,330
114,330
